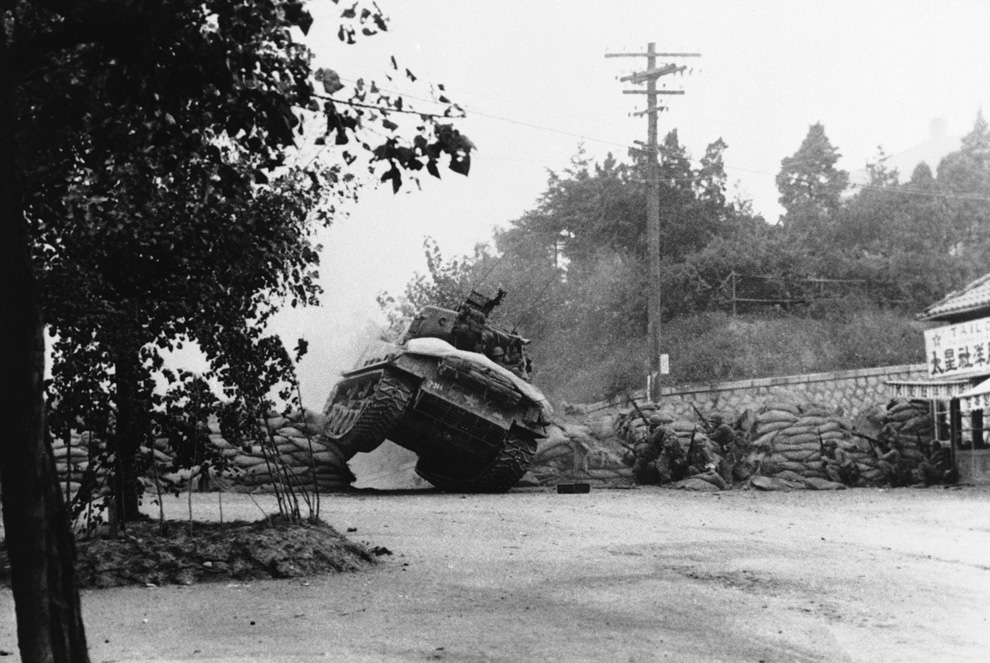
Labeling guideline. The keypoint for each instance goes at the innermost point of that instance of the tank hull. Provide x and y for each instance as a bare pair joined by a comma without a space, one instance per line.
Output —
473,426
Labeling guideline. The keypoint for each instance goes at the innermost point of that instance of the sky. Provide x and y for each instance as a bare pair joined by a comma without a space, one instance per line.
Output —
534,80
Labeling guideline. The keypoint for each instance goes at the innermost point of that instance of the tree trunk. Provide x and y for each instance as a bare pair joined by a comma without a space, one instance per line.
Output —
130,427
39,542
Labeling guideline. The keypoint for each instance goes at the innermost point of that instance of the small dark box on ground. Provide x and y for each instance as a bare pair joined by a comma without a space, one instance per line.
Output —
573,488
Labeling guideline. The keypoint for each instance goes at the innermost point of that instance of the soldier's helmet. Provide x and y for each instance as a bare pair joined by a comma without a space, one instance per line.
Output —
498,353
655,420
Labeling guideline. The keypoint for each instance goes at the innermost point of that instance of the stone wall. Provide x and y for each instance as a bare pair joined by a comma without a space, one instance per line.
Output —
845,392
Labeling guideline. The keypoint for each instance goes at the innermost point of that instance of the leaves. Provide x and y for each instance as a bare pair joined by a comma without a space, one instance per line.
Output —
162,201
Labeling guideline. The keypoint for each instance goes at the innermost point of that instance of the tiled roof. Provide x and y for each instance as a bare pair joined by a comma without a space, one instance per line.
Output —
968,302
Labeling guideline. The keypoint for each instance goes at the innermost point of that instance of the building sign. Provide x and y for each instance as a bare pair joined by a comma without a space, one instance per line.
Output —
958,350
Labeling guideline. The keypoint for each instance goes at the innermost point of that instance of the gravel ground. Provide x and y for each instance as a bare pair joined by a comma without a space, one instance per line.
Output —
615,575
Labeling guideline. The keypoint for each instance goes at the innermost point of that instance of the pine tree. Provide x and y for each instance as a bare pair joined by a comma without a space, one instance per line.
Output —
811,186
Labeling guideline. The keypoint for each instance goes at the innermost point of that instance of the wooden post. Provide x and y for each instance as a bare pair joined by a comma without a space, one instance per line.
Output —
650,76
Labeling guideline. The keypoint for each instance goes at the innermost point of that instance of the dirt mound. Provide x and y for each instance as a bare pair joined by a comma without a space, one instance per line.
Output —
192,552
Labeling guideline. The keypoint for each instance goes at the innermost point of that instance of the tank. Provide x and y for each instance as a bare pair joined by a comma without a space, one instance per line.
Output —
455,391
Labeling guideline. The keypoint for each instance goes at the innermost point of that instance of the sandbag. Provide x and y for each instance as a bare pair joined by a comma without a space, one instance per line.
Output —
800,438
770,416
816,483
696,484
245,461
813,420
792,408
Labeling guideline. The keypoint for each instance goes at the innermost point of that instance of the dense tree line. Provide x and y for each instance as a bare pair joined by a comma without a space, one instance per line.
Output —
891,246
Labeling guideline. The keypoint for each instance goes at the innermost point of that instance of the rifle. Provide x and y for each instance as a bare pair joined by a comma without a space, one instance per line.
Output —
629,447
703,418
927,450
871,440
691,448
638,411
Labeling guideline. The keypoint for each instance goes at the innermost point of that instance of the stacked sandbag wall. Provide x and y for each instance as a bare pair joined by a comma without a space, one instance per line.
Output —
914,426
583,449
788,437
295,451
72,460
784,439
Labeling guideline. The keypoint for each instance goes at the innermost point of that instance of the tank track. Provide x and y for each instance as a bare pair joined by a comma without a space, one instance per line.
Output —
365,429
499,476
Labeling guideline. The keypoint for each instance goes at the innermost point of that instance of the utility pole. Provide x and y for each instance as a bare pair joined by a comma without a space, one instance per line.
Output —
650,76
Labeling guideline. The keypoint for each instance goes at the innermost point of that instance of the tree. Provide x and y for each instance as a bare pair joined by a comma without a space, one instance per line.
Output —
811,186
149,127
964,180
575,265
868,221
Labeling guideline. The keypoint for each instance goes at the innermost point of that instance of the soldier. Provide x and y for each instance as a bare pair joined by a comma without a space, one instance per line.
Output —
890,461
498,356
645,465
647,453
469,331
938,467
839,465
675,458
720,432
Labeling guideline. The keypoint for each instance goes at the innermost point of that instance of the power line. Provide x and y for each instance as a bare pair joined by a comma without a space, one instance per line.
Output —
470,110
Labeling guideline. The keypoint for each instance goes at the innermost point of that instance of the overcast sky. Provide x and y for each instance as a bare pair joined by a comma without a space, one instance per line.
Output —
535,82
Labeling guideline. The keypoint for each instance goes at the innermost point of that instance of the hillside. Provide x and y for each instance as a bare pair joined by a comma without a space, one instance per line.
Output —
714,347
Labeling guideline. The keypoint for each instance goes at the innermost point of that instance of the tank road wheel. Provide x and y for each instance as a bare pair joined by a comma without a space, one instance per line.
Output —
499,476
361,412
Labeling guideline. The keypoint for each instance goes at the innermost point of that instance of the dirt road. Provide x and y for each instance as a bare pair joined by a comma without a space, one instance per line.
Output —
615,575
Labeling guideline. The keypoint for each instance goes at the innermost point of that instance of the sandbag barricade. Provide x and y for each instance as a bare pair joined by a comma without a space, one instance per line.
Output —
295,451
789,438
585,452
779,446
711,465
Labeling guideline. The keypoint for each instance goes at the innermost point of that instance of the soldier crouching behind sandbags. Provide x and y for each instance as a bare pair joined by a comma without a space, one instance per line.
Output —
839,465
938,468
648,457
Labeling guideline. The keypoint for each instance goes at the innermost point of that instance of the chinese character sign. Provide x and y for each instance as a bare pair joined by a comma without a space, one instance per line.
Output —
958,350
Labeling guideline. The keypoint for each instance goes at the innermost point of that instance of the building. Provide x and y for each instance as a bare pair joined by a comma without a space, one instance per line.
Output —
957,354
937,146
